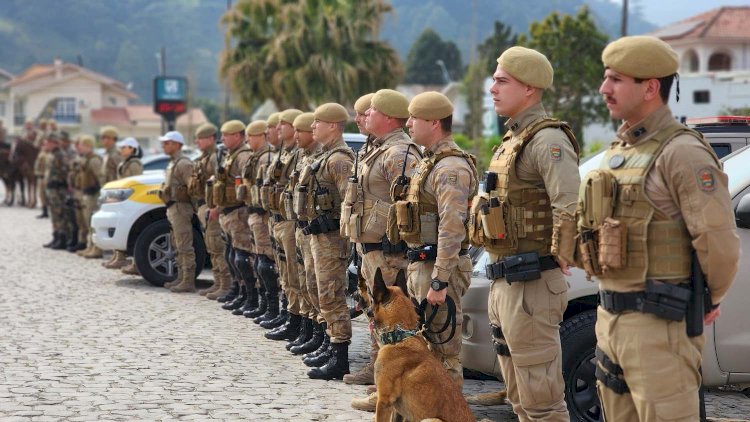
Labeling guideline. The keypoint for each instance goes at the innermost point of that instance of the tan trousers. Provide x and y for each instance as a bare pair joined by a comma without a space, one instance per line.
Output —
90,206
258,224
235,225
309,304
283,232
330,255
660,365
215,246
419,279
180,216
81,221
529,315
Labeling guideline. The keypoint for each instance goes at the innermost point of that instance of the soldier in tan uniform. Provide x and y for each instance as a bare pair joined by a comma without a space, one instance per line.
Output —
73,181
208,214
296,197
530,187
39,163
441,189
671,199
279,174
174,194
325,181
233,213
90,180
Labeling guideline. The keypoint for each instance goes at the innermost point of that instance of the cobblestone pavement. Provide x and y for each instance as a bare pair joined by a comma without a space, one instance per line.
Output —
79,343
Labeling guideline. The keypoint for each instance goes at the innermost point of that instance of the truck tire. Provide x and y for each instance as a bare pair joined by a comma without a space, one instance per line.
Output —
154,254
578,340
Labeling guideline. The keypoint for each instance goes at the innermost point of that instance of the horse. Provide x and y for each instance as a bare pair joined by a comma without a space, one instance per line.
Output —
17,169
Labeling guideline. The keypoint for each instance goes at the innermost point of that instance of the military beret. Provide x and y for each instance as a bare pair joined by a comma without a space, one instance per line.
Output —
64,135
642,57
108,131
363,103
52,136
233,126
391,103
528,66
430,105
304,122
331,113
205,130
289,115
273,119
257,127
87,140
42,121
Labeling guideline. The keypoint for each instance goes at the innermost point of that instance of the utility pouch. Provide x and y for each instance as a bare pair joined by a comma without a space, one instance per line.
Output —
391,230
406,217
476,231
587,247
490,181
346,213
613,238
599,195
218,193
287,198
241,192
274,198
181,194
428,228
493,219
522,267
564,238
350,197
230,196
323,200
255,196
300,201
265,196
666,301
194,185
165,194
210,203
399,188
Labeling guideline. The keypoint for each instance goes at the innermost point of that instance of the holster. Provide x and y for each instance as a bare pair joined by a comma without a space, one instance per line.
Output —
522,267
321,224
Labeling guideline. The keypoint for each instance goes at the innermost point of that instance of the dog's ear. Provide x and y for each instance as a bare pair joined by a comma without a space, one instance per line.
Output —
380,291
401,282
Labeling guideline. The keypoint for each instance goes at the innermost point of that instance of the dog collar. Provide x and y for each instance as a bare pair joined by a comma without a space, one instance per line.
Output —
397,335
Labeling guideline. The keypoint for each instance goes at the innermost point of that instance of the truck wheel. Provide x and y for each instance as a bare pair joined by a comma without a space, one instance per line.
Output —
154,254
578,340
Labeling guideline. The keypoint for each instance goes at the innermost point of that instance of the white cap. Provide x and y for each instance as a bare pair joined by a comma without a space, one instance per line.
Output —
173,136
128,142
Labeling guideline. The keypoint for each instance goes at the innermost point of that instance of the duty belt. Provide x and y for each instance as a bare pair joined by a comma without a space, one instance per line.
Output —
227,210
664,300
277,218
385,246
521,267
256,210
427,253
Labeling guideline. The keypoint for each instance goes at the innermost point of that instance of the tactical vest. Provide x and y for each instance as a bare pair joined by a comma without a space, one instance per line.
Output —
315,197
85,179
629,238
171,192
253,179
365,220
417,216
224,192
279,174
516,216
197,181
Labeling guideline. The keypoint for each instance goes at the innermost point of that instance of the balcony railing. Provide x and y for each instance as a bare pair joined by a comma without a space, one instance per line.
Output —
67,118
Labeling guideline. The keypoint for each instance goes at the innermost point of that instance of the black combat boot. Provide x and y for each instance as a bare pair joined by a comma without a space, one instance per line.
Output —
336,367
55,240
280,319
231,294
311,345
289,331
305,333
44,213
238,301
251,302
72,243
321,357
62,243
262,305
77,247
272,308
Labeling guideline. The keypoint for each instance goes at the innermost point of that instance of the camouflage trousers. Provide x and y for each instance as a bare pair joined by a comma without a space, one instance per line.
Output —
418,281
81,222
283,233
330,255
309,305
180,216
56,205
40,165
258,224
90,206
215,246
235,225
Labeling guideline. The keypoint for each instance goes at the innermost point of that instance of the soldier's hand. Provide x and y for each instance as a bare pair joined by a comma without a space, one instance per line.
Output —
213,214
436,298
563,266
711,316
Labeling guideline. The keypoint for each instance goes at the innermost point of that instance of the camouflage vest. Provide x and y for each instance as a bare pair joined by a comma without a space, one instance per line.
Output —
197,181
321,196
522,210
86,179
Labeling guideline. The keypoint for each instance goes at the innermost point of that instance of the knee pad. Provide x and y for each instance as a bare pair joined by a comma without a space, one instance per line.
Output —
498,339
242,263
267,272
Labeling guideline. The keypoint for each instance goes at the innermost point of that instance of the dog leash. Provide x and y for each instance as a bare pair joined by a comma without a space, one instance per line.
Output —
426,322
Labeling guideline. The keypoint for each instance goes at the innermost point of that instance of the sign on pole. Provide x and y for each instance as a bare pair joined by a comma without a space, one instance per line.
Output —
170,97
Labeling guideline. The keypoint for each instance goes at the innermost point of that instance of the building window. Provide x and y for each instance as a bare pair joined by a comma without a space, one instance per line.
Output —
65,110
113,101
719,62
701,97
690,62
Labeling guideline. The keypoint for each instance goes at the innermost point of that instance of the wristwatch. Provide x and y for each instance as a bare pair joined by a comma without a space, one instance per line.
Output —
438,285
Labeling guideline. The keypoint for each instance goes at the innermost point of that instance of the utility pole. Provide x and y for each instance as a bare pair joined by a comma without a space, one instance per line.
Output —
227,86
624,21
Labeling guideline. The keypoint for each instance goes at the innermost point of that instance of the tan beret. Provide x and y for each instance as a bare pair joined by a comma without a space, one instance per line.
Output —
52,122
52,136
304,122
641,56
42,121
273,119
257,127
289,115
87,140
528,66
430,105
108,131
363,103
391,103
331,113
205,130
233,126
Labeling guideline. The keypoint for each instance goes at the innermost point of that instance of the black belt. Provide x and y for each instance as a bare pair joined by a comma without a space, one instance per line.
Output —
610,376
301,224
521,267
322,224
201,202
57,185
427,253
256,210
385,246
227,210
664,300
277,218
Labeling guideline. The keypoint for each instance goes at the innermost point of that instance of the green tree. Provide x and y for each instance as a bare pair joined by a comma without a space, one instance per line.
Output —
573,45
422,63
301,53
490,49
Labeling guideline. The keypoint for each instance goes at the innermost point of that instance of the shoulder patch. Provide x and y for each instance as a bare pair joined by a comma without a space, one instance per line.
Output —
706,180
555,152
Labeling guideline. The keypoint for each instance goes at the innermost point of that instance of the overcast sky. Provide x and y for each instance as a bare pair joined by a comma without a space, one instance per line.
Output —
664,12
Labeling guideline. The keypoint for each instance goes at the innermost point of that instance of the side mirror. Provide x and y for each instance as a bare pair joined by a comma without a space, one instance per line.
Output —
742,213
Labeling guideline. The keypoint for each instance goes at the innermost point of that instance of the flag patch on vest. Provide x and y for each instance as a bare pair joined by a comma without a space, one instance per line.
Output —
706,180
555,152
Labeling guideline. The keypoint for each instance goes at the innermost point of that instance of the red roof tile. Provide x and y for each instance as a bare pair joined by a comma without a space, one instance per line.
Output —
724,22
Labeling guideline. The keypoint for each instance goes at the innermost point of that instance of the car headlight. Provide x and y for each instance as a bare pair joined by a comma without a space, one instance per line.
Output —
109,196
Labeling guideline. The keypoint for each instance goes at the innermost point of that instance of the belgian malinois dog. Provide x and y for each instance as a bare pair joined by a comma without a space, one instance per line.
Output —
410,379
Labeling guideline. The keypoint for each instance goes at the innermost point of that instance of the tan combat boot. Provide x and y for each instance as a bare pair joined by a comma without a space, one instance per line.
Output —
118,261
94,253
366,374
130,269
212,288
187,285
488,399
366,404
84,251
222,289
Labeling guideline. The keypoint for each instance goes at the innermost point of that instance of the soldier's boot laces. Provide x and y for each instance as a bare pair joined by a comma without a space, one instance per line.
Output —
336,367
289,331
311,345
366,404
305,333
